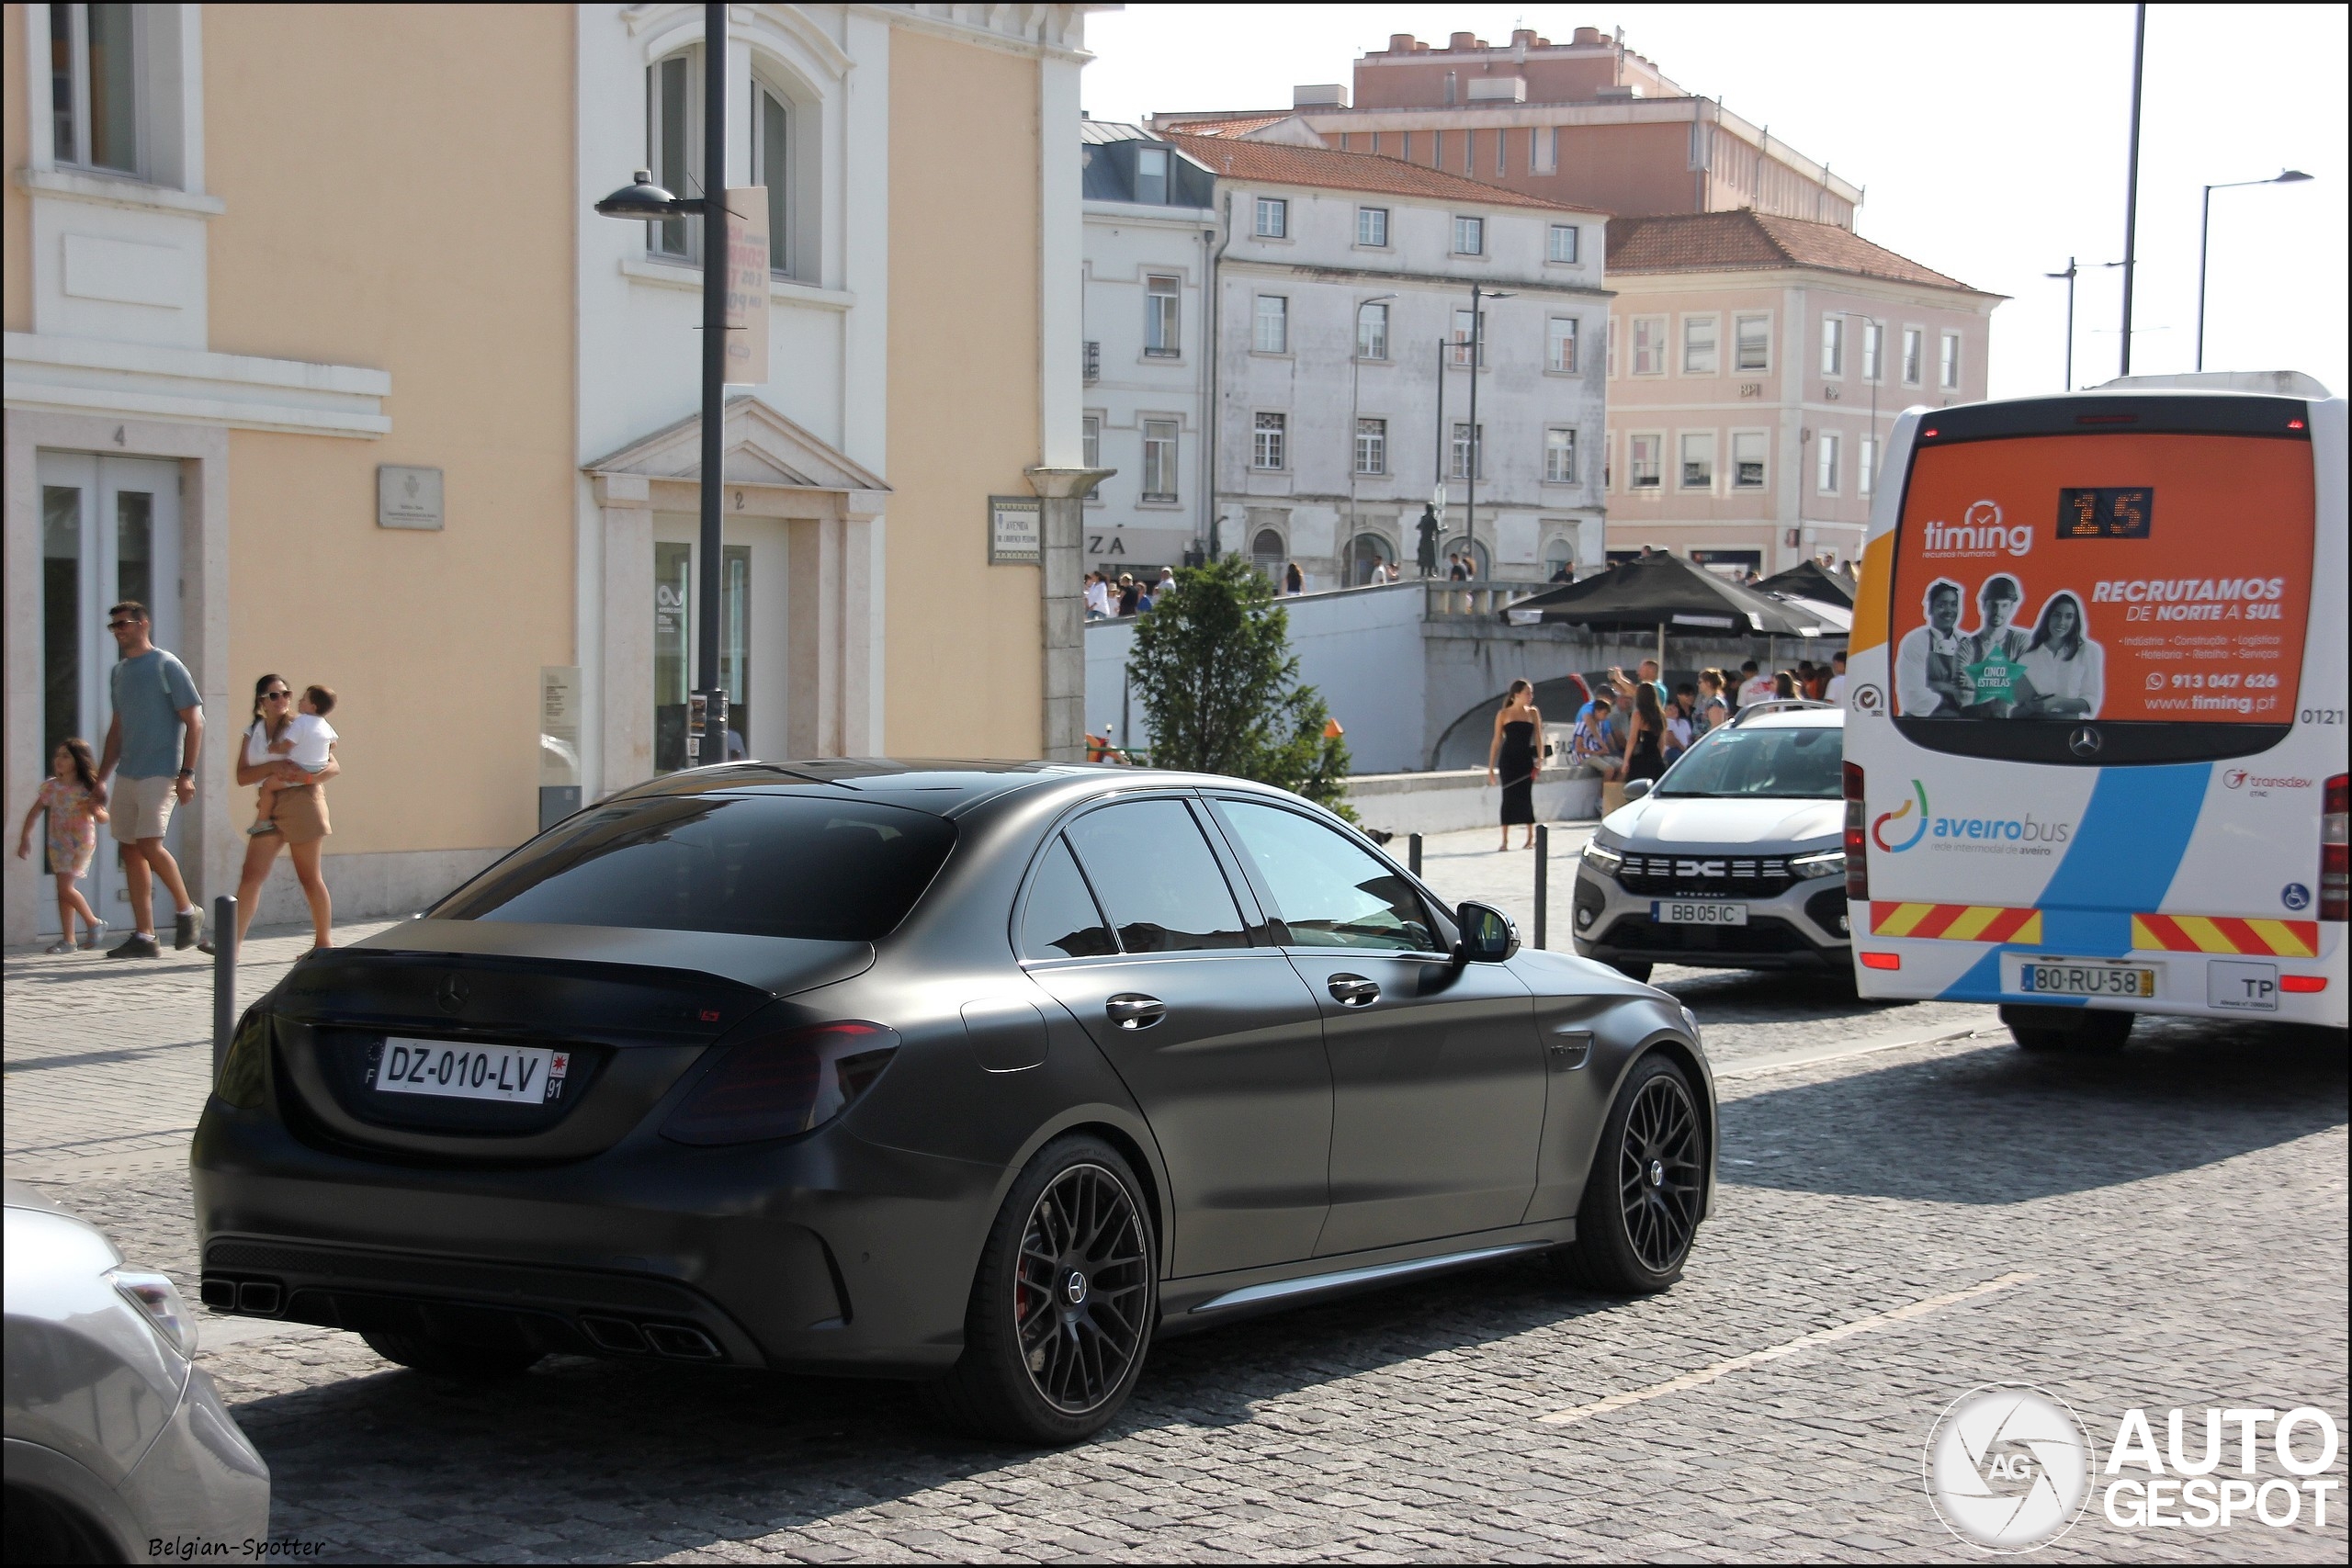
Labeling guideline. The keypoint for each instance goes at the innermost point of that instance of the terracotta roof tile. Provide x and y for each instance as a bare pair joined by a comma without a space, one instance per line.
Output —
1240,122
1751,240
1279,163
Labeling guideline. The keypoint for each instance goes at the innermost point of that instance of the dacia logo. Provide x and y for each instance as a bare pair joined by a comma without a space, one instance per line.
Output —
1697,868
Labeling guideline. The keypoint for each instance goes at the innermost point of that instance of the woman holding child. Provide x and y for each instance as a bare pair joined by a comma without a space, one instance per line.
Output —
289,756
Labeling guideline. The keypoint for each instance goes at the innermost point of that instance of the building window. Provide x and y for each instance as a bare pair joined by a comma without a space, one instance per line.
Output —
1460,468
1266,553
1159,318
1748,460
1273,324
1826,462
1560,345
1873,350
1151,176
1699,461
1462,329
1160,459
1609,346
1559,456
1866,475
771,121
1699,345
1833,345
1372,226
1090,444
1950,362
1649,346
1913,347
1271,434
1753,337
1641,461
93,86
1372,332
1372,446
1469,236
1273,218
1559,561
1563,243
1542,149
674,147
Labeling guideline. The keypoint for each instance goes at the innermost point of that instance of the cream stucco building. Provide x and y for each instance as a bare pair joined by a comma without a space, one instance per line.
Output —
315,342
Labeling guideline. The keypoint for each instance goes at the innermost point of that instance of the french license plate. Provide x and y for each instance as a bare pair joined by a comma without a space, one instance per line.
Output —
2072,977
1697,912
453,1070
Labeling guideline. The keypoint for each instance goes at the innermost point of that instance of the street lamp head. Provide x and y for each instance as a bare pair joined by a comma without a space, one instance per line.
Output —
2289,176
643,201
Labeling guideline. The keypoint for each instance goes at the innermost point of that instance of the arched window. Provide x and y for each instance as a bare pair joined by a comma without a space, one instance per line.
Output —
1266,552
1365,552
1477,551
772,150
1558,557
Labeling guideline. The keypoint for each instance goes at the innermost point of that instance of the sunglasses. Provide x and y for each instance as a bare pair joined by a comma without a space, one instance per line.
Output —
123,625
276,696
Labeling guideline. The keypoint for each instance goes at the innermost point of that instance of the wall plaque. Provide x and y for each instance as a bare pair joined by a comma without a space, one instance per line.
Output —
407,498
1016,530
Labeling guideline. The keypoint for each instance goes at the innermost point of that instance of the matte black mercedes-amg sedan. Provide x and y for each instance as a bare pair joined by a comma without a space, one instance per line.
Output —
983,1074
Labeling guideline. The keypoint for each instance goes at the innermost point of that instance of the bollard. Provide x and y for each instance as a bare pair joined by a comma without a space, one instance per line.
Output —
224,977
1413,853
1543,881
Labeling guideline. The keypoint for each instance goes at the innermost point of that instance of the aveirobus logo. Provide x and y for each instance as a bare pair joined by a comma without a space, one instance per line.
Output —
1918,828
1980,532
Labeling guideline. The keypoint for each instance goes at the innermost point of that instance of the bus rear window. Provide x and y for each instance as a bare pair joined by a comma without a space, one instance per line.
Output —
2124,578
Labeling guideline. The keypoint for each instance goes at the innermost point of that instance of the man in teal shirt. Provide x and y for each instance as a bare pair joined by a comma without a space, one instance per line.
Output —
158,728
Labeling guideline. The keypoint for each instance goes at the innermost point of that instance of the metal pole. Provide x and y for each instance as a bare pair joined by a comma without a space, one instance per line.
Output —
1470,505
714,382
2204,234
1437,486
1543,878
2070,323
224,978
2131,185
1413,853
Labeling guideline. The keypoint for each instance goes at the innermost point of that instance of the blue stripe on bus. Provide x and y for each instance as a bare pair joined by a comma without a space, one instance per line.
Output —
2121,858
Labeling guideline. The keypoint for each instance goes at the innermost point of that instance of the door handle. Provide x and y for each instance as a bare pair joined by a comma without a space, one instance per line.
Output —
1132,1010
1354,990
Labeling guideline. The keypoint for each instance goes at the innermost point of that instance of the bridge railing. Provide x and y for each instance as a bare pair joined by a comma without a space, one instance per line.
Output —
1478,599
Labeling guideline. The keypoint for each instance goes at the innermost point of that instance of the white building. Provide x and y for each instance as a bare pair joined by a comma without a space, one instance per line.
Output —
1343,283
1150,235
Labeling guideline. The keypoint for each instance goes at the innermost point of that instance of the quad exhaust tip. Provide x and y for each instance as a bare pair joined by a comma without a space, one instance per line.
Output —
679,1342
251,1298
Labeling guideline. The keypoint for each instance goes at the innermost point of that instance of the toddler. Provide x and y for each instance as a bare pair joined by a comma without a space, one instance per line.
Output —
70,796
304,744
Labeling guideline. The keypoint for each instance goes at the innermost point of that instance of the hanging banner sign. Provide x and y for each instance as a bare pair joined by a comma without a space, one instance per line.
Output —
747,286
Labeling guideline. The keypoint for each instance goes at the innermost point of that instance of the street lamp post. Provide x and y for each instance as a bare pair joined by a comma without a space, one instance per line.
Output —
2069,275
1477,347
2204,232
644,201
1355,403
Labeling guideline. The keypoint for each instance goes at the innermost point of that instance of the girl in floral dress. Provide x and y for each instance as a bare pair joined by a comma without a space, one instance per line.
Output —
70,795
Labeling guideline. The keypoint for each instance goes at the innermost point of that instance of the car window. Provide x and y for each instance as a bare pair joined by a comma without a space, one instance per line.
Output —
1794,763
1327,890
754,865
1061,920
1158,879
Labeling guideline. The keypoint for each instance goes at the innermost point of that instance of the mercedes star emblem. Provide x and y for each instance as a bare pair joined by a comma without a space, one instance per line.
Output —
452,992
2085,742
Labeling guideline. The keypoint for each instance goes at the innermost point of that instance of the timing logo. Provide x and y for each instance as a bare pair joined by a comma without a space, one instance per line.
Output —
1918,828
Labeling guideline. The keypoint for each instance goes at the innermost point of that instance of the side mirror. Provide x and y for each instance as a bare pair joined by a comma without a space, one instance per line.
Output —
1487,935
1636,788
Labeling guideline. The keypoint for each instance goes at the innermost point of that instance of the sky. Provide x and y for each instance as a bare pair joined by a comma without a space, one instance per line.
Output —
1991,141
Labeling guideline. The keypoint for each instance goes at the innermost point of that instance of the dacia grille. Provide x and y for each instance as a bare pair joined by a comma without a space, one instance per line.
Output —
1703,875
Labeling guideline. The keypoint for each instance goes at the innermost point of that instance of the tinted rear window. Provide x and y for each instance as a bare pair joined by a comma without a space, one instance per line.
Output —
751,865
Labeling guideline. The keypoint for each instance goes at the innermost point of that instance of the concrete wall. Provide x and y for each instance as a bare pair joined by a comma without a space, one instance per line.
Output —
1450,801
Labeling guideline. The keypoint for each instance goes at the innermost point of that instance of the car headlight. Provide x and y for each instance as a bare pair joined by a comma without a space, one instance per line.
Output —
158,1300
1602,859
1828,863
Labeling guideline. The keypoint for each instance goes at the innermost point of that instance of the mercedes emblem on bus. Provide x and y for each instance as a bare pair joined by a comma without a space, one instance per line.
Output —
2085,742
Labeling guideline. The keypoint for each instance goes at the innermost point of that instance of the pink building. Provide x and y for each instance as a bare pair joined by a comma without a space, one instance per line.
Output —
1755,366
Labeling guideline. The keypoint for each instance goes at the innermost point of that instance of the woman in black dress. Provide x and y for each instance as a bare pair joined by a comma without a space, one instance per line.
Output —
1645,754
1516,753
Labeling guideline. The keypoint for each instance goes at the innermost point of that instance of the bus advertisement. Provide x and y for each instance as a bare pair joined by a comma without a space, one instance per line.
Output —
2095,740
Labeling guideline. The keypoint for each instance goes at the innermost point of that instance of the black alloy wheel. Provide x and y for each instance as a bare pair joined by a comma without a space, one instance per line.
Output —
1648,1185
1064,1305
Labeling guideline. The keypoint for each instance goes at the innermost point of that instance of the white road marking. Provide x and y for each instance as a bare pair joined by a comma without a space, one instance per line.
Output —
1805,1057
1704,1375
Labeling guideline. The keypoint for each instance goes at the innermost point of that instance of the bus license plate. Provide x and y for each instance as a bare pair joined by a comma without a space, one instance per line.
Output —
1697,912
521,1074
2069,977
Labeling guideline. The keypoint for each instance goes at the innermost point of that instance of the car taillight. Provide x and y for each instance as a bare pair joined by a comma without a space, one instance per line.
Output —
782,1084
2334,875
1857,863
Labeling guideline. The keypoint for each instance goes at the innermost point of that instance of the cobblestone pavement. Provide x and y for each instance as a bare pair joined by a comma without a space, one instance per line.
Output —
2180,1210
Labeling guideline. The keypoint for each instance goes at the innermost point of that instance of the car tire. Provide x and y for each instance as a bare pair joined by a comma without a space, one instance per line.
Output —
1648,1185
2085,1032
1632,968
47,1529
1063,1305
449,1357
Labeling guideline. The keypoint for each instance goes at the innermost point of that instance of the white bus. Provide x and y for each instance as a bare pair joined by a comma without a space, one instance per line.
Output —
2094,737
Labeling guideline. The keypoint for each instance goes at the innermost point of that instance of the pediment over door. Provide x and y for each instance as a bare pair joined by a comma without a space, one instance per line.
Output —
763,450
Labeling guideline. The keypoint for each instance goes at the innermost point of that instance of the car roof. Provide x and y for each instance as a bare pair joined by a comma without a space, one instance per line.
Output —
944,786
1813,715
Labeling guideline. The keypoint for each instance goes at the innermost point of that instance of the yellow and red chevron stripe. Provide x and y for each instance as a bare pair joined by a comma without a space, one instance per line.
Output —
2222,934
1955,922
